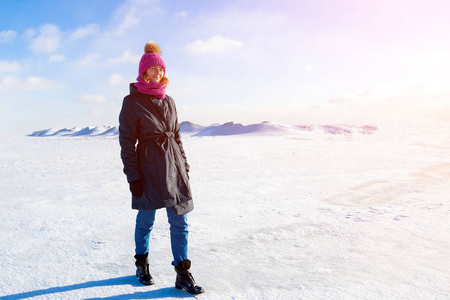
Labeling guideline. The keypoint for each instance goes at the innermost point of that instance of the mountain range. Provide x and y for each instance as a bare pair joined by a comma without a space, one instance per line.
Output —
229,128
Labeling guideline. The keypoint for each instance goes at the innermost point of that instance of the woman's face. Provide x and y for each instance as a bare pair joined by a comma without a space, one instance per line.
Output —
155,73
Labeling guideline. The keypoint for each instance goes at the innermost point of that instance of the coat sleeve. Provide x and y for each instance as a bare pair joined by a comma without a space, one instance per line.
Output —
178,136
127,138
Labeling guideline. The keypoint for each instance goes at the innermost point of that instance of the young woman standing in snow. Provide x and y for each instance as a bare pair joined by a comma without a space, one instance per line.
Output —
156,170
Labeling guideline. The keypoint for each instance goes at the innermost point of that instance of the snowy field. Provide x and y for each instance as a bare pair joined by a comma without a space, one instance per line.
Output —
302,216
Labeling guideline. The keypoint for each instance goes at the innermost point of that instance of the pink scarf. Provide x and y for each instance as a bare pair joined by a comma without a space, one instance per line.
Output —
152,88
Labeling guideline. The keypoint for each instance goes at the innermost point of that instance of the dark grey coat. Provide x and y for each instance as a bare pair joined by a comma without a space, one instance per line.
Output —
159,159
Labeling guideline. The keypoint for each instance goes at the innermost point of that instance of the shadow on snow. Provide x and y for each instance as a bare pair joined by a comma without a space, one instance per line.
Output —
125,280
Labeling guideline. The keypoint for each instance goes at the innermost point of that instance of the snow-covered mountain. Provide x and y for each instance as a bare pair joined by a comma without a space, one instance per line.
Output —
189,127
229,128
77,131
269,128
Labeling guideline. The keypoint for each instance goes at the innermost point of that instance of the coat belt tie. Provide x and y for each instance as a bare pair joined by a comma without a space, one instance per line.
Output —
156,135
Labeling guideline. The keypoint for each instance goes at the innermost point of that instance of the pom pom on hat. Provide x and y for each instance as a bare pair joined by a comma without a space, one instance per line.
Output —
151,58
152,47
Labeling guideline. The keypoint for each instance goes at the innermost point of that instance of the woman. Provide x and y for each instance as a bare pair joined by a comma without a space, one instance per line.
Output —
156,170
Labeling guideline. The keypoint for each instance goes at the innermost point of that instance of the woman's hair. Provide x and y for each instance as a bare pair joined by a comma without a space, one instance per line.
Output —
164,81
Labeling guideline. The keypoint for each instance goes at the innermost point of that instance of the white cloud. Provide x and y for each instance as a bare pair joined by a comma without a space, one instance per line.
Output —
129,21
48,39
126,57
91,98
40,83
215,44
116,79
88,60
7,36
30,33
181,14
29,83
57,58
82,32
132,13
8,66
429,58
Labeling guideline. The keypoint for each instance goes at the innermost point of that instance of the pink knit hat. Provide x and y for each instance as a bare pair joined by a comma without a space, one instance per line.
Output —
151,58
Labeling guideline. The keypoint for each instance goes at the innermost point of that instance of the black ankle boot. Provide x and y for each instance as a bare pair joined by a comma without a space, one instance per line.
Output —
142,271
184,280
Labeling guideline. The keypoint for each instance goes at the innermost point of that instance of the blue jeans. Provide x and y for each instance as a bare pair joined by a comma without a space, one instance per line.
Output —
178,233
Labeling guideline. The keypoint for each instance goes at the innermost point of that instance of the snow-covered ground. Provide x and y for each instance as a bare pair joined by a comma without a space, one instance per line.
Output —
284,216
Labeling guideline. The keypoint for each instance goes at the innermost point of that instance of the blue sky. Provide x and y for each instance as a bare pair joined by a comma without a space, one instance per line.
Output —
69,63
